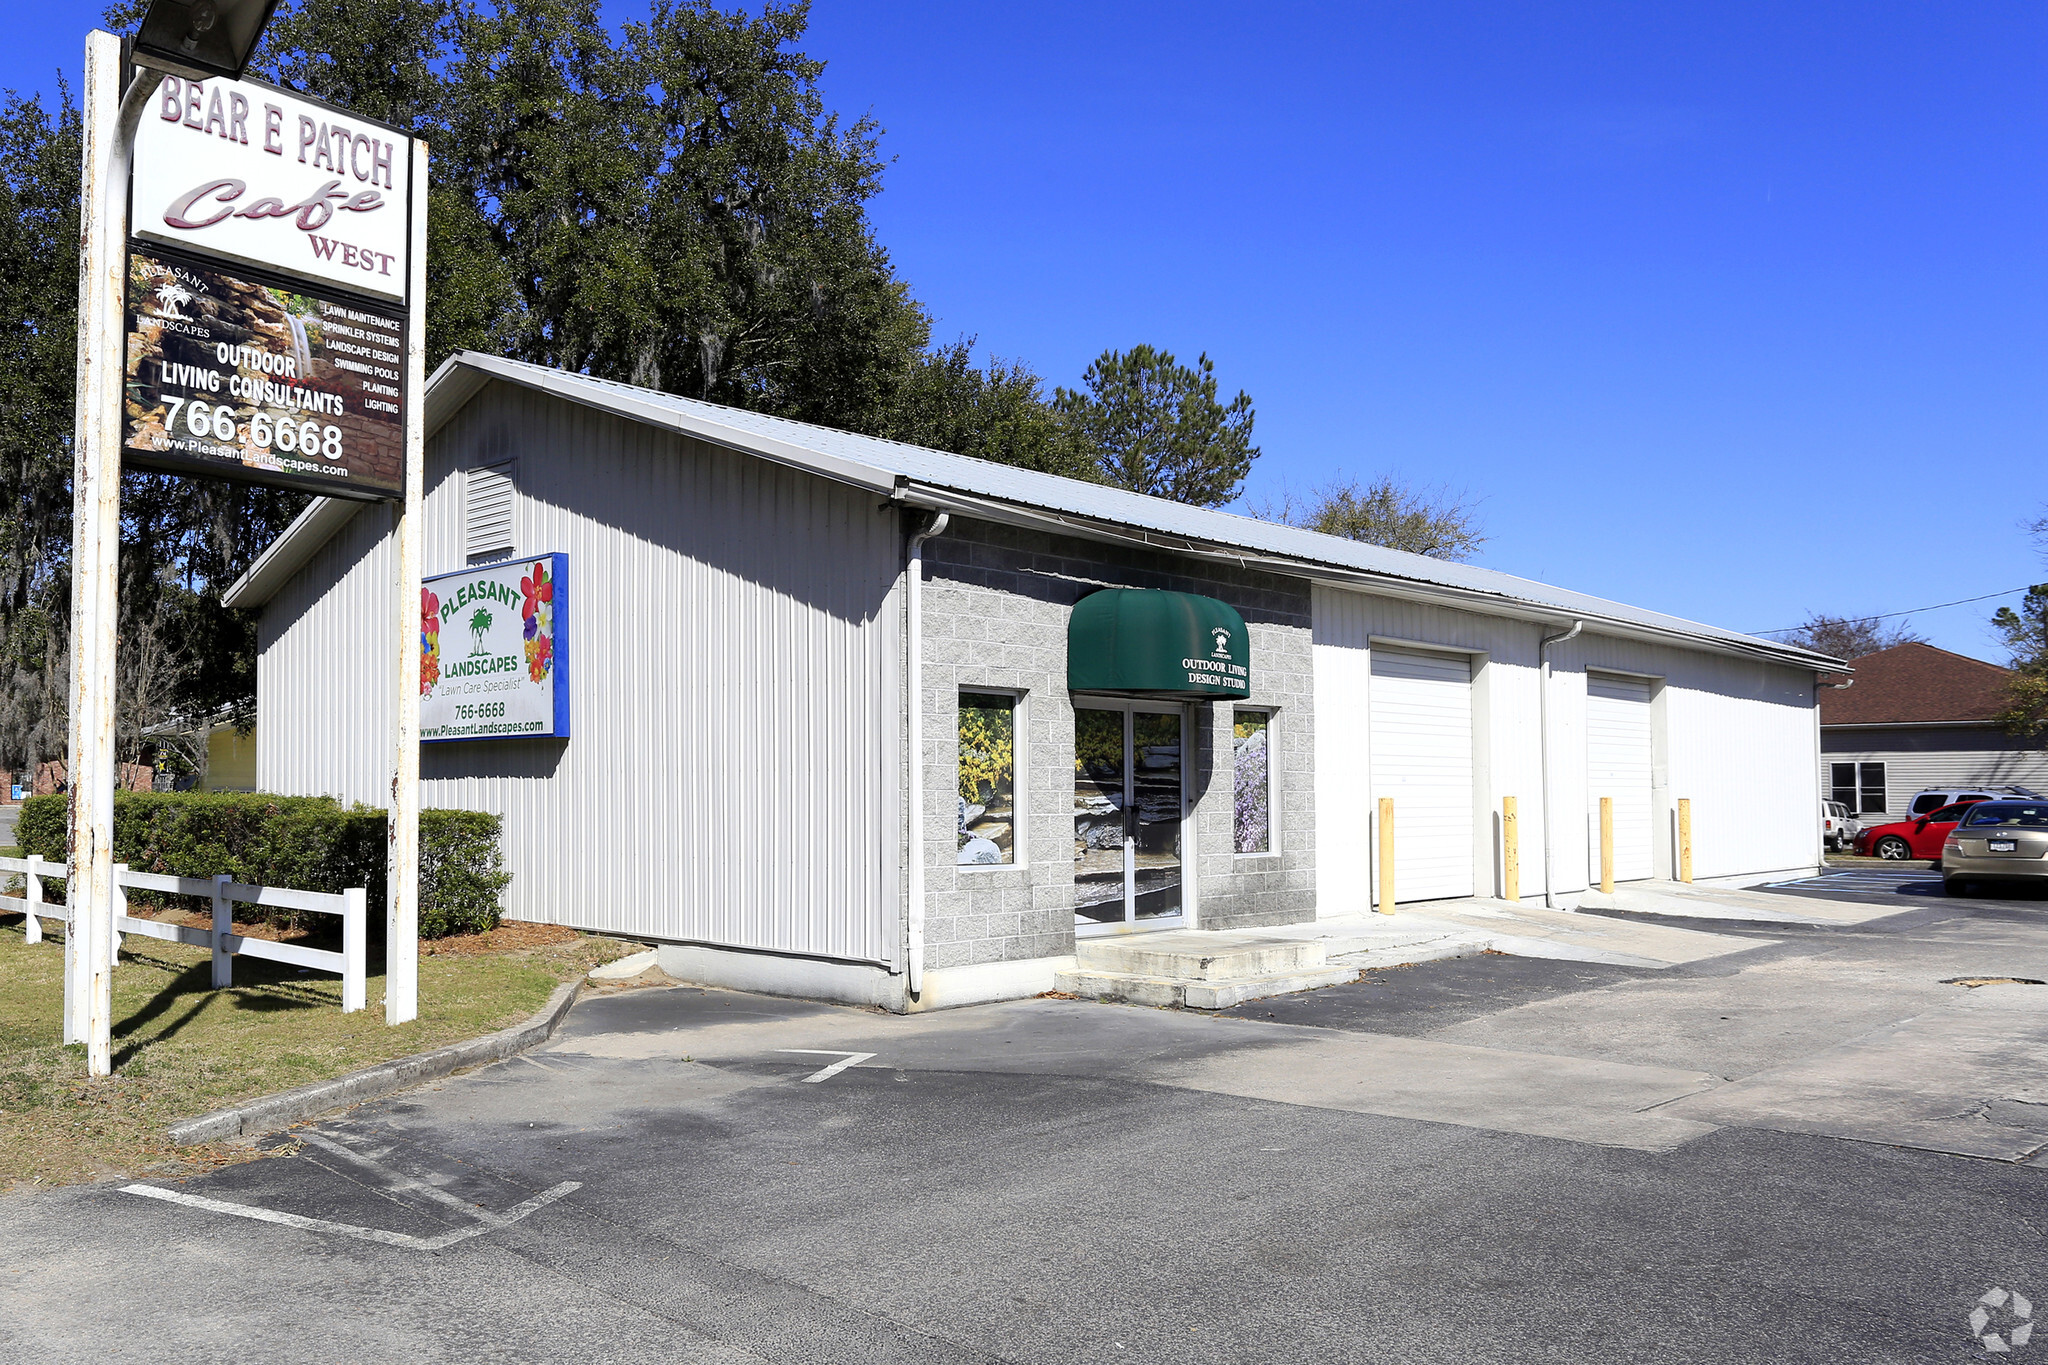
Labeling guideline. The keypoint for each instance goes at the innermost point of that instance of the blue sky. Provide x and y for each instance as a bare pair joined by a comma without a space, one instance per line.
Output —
1735,311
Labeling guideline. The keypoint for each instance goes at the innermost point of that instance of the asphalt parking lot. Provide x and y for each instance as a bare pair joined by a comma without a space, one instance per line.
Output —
1813,1150
1917,881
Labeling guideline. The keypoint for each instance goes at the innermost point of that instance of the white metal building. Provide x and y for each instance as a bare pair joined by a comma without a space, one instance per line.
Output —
751,783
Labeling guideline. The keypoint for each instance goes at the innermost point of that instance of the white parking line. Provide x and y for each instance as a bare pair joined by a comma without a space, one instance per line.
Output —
396,1239
1872,880
398,1181
827,1073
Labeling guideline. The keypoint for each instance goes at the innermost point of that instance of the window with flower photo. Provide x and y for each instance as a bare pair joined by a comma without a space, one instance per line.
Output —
987,829
430,641
1252,774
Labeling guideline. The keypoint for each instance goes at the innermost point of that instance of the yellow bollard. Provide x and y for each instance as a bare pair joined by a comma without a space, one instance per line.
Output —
1510,850
1386,855
1685,838
1607,844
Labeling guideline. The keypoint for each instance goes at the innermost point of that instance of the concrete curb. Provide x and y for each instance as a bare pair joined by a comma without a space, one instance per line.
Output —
271,1112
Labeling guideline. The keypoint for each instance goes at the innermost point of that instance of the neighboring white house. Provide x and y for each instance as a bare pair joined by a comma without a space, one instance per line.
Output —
1205,747
1920,718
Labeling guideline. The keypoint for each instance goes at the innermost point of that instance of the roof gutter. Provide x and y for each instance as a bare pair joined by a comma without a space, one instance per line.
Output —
914,719
1543,744
1986,723
1414,590
1820,825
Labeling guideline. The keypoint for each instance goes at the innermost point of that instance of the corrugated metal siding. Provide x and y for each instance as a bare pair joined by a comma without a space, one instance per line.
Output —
1917,761
731,624
325,668
1736,736
1504,754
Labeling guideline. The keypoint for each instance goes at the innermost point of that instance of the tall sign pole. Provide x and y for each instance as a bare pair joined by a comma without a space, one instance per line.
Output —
402,873
261,320
110,123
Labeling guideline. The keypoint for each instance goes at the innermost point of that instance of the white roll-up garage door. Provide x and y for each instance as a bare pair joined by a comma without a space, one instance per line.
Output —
1422,757
1618,762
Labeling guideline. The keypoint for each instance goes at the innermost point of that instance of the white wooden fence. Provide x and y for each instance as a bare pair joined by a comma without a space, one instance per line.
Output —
350,963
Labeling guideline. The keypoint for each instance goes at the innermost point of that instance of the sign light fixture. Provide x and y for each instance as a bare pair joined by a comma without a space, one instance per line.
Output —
201,38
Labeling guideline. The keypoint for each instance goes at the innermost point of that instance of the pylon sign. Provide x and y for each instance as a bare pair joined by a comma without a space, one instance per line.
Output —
268,269
245,172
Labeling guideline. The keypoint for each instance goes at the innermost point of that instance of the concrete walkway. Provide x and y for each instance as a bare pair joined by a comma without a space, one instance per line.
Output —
1528,930
1214,969
1683,900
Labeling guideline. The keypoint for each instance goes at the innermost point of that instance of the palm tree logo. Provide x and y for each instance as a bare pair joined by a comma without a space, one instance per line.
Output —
479,622
171,296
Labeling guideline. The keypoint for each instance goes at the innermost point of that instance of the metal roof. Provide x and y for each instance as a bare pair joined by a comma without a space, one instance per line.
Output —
919,475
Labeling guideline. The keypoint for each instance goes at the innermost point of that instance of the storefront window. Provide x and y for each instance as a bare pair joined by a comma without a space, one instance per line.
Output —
1252,764
987,832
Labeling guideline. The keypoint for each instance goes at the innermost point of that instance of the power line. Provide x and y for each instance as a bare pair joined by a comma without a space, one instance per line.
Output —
1888,615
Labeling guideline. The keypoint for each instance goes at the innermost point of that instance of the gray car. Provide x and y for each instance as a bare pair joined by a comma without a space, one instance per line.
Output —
1997,841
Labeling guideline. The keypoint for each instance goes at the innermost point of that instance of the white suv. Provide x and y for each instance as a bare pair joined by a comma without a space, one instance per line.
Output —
1932,799
1838,828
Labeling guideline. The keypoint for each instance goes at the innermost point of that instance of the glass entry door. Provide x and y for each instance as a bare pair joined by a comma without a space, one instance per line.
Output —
1128,799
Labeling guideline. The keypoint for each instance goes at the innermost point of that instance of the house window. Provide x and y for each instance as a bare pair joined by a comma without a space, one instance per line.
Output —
1859,786
1252,769
487,513
987,829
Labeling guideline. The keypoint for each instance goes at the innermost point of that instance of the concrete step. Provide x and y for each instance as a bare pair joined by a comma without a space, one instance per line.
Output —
1421,950
1196,956
1169,992
1199,970
1133,990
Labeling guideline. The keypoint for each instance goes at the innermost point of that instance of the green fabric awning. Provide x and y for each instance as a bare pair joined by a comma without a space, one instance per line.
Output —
1145,643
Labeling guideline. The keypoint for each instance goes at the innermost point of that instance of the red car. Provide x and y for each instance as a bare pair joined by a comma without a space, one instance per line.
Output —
1916,838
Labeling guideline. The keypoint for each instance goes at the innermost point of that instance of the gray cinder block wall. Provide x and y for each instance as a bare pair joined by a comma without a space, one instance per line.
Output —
996,603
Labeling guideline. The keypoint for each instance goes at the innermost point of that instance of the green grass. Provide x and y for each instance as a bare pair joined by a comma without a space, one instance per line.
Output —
182,1048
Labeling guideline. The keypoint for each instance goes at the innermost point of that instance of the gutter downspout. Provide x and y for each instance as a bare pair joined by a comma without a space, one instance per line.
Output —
914,668
1543,740
1820,830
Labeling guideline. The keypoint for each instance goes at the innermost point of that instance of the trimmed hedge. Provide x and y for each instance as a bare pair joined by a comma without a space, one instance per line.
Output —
309,843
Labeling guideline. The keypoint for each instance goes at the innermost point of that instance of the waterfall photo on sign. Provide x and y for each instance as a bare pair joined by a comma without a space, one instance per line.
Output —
242,380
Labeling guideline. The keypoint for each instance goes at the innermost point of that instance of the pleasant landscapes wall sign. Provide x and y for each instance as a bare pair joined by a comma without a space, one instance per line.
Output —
266,291
492,662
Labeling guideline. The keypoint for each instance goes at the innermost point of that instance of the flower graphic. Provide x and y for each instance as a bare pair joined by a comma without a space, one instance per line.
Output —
430,641
537,612
539,592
